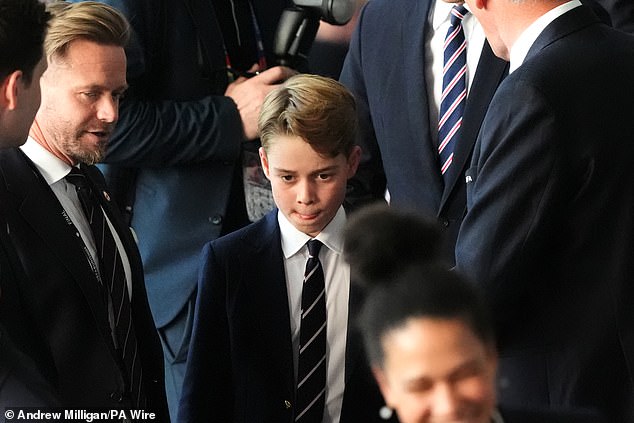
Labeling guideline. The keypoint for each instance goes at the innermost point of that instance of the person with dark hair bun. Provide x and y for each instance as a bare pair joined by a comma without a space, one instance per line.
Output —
380,240
427,330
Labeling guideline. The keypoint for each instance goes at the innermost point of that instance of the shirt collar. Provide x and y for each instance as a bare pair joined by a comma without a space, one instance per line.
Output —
527,38
331,236
441,13
51,167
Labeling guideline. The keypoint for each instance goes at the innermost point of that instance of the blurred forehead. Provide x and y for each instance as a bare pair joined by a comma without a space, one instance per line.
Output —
432,346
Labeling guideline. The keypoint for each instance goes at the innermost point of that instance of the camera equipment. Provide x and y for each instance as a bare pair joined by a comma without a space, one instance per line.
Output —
298,26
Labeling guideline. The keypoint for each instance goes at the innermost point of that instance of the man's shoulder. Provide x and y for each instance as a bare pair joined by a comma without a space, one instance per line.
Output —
11,155
14,168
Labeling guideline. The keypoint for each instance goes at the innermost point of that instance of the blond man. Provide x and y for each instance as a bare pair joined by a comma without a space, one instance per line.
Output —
79,307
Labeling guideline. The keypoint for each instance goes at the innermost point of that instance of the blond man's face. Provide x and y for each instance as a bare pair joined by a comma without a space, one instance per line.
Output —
80,100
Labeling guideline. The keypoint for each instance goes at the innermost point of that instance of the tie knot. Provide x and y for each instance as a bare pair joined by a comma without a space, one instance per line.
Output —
458,13
313,247
77,178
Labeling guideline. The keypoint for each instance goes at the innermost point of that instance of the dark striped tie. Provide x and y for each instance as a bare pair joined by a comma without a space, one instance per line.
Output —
311,374
454,87
113,277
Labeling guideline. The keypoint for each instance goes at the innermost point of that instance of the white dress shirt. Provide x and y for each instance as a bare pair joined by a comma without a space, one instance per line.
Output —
527,38
53,170
337,280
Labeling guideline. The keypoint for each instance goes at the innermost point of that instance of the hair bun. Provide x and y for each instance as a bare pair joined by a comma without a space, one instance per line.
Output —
380,241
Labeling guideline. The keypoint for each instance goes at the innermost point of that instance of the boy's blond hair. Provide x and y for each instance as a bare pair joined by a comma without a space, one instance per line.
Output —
318,109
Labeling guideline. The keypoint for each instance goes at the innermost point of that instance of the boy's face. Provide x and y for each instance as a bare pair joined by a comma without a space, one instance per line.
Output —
308,188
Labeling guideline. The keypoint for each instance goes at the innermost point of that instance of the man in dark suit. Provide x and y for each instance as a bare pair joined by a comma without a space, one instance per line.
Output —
174,161
549,231
399,107
251,343
22,29
77,309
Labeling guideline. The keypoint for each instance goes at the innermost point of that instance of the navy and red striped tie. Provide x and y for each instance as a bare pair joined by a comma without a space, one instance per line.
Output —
454,88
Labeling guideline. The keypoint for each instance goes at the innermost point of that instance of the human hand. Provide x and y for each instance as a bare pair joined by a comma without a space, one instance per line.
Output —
249,93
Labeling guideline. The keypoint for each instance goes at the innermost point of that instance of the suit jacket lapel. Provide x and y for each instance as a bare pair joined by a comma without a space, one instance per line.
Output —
411,47
98,183
490,72
268,294
35,200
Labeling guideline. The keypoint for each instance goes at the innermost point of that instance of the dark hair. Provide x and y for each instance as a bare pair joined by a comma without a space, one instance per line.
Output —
394,255
23,25
380,240
421,291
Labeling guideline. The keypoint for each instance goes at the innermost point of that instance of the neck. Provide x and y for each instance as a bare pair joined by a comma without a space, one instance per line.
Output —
37,134
521,14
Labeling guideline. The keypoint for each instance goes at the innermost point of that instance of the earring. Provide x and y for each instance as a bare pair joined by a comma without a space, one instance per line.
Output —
385,412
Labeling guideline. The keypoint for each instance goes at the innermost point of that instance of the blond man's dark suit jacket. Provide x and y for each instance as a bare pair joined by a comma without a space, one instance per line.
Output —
549,232
240,365
53,310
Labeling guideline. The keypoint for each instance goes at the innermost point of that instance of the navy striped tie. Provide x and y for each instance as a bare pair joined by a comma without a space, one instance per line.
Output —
454,87
311,373
113,277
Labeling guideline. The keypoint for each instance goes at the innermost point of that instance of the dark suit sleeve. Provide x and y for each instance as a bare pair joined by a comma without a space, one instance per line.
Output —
207,394
168,132
369,182
511,199
20,383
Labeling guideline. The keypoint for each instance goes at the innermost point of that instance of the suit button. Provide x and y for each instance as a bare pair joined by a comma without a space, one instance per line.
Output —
216,220
287,404
116,396
445,223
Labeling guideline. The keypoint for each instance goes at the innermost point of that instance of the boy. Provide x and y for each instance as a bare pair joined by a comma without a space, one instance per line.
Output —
257,354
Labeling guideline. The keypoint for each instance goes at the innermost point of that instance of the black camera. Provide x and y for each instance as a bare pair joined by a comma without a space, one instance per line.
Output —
298,27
